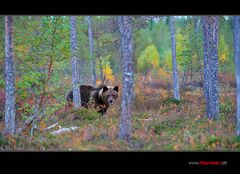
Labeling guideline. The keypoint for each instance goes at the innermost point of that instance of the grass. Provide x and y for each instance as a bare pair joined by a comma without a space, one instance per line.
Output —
159,123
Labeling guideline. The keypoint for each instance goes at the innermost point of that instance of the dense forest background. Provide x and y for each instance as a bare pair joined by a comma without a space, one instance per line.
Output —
42,61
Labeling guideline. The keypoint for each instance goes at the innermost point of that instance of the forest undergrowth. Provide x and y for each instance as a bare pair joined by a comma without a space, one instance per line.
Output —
159,123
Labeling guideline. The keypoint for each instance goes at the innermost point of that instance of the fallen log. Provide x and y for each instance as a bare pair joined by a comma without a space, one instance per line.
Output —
64,130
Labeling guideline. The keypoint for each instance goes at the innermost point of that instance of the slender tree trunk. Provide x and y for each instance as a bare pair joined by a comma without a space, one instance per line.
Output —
121,39
184,79
91,44
10,109
196,21
210,40
75,64
100,59
127,77
191,75
200,51
236,37
174,60
85,64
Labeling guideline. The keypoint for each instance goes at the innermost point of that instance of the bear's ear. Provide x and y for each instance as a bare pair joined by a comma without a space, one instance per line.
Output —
105,88
116,88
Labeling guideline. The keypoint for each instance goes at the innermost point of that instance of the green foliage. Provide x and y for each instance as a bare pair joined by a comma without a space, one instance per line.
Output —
212,139
41,39
172,125
2,83
105,66
142,43
42,49
149,59
184,55
60,76
233,142
40,42
171,100
80,116
225,44
188,45
2,43
86,114
158,35
168,60
224,56
30,81
161,38
226,107
223,50
3,141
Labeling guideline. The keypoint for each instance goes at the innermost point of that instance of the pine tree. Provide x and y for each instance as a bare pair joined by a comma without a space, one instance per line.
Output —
236,39
174,60
210,40
125,127
10,109
75,63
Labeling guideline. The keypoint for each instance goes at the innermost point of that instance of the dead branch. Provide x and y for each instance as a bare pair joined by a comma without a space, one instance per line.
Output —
50,127
64,130
28,122
146,119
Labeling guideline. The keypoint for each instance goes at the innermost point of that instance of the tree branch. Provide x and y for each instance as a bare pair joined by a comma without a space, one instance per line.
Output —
64,130
50,127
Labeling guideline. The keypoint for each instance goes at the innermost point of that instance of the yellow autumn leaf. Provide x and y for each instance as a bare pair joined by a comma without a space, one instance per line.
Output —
222,57
109,74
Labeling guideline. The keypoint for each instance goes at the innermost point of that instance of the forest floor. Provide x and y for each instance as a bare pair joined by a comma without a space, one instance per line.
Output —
159,123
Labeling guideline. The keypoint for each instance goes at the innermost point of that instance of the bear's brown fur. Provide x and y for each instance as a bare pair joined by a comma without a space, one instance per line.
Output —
100,97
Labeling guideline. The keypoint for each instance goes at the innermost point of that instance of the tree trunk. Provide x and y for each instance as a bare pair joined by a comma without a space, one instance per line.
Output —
184,79
210,46
174,60
121,39
75,64
100,59
191,75
127,77
197,20
236,37
91,45
10,109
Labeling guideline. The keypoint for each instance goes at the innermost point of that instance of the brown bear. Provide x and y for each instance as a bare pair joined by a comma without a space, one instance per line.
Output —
100,97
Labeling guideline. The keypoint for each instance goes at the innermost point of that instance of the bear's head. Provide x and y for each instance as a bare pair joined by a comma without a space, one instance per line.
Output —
109,94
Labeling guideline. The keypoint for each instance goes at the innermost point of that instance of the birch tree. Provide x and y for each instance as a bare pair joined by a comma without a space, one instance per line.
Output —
10,109
91,48
210,46
174,60
75,61
125,27
236,40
